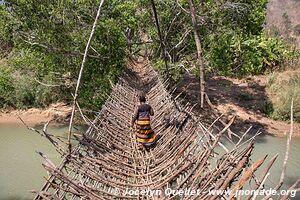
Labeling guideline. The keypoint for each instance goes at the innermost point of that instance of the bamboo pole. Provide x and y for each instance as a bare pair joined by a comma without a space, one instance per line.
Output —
80,74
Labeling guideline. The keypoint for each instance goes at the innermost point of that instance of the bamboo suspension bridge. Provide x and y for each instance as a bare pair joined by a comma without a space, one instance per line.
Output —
189,161
106,163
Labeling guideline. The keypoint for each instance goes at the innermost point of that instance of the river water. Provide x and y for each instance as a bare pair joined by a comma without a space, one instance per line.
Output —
21,169
270,145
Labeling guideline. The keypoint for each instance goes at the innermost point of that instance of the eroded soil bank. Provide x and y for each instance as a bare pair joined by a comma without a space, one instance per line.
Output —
243,98
58,113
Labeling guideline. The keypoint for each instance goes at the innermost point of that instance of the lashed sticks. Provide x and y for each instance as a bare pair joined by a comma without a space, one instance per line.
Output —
106,163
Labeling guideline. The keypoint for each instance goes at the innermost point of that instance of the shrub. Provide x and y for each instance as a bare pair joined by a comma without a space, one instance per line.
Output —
6,87
235,55
175,70
24,93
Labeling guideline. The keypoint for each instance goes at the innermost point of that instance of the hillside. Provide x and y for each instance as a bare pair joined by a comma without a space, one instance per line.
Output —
283,18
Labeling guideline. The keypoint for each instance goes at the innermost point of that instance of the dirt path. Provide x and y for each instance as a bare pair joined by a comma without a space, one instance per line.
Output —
244,98
58,112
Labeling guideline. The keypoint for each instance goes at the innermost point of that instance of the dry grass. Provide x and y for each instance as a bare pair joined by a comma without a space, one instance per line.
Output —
282,88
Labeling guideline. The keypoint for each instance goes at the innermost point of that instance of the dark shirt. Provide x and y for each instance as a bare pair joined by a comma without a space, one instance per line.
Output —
143,111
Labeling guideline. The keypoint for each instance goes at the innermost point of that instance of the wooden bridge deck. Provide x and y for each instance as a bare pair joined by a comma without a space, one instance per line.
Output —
106,164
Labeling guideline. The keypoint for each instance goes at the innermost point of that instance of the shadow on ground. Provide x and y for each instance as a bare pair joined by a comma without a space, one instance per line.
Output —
246,99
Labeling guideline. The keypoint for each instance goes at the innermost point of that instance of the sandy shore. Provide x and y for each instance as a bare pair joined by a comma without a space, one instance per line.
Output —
58,113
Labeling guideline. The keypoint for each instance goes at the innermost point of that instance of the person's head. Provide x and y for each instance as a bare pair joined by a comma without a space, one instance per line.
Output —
142,99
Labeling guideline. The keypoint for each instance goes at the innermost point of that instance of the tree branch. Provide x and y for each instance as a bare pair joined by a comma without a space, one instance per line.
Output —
81,72
55,49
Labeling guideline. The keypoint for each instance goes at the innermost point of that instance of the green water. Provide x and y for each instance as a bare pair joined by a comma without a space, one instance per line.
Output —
270,145
21,168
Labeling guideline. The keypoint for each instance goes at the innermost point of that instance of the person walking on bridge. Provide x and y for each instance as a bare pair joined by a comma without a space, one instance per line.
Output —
141,118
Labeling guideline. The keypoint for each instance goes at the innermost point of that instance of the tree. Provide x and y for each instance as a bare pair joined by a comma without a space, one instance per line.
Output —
163,48
49,38
199,52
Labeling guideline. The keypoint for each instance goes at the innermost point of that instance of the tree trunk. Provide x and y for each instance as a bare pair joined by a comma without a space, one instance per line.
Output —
163,49
199,52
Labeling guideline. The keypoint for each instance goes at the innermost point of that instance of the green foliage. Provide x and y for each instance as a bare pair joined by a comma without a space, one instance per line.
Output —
6,87
6,24
258,54
232,36
24,92
45,42
267,108
19,89
235,44
176,71
49,39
